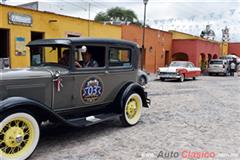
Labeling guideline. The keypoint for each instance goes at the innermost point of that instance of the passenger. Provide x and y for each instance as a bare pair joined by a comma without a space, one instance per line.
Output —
87,61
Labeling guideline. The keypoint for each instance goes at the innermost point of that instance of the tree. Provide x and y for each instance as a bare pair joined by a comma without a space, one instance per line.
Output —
117,15
101,17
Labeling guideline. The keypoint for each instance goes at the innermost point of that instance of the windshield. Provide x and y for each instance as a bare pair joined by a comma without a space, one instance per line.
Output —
50,55
178,64
216,62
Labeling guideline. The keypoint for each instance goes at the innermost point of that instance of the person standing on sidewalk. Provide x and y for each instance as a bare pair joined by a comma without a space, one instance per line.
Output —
232,68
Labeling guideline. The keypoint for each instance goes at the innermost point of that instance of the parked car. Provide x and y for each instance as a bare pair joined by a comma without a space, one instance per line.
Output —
218,66
231,57
179,70
62,90
142,77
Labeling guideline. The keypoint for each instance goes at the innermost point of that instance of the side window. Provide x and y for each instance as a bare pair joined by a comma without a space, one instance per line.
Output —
89,57
63,56
119,57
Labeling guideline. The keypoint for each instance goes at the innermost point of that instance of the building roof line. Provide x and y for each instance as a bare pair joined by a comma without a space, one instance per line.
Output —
78,18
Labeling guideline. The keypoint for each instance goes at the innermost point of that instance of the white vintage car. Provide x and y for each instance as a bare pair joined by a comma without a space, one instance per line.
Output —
180,70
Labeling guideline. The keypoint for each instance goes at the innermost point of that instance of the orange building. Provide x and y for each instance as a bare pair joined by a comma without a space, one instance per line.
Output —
158,45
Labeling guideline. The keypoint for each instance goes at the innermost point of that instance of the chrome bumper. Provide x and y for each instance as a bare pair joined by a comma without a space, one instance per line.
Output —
170,76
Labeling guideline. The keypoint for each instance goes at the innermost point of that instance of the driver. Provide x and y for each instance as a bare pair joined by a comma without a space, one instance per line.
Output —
65,59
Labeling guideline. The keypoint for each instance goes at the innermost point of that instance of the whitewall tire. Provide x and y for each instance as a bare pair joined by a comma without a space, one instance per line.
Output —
19,136
132,110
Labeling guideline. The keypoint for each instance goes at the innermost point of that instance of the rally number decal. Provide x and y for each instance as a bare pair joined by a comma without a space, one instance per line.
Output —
92,90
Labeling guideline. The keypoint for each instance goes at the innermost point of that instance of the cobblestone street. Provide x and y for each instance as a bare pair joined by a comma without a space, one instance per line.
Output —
198,116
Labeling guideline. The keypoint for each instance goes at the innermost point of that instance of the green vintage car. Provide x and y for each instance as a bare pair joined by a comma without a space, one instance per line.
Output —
74,81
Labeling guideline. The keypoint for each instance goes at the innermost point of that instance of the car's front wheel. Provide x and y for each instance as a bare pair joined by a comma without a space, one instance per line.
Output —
19,136
131,111
182,77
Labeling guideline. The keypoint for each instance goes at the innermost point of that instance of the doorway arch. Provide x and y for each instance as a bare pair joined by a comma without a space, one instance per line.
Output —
215,56
180,57
203,61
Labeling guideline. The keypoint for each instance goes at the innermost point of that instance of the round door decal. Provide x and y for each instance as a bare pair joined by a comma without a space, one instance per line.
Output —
92,90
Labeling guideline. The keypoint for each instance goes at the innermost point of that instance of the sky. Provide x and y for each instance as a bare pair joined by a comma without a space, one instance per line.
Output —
189,16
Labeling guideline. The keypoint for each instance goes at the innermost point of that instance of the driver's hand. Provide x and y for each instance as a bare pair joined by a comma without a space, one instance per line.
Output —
78,65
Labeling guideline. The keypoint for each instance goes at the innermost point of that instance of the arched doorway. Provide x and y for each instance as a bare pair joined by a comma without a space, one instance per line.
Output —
215,56
209,58
203,61
180,57
235,54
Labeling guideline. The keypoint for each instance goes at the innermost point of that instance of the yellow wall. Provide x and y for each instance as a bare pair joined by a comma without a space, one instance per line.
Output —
181,35
223,48
57,29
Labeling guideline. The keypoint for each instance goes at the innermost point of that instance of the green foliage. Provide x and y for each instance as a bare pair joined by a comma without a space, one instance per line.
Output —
101,17
117,14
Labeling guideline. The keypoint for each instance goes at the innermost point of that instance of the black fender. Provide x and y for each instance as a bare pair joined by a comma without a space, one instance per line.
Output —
40,111
131,87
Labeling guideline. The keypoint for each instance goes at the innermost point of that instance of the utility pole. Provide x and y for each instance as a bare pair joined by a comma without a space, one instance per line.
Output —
143,38
89,17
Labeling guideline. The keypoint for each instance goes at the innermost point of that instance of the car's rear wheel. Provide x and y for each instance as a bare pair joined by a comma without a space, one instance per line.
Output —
182,77
194,78
19,136
162,79
132,109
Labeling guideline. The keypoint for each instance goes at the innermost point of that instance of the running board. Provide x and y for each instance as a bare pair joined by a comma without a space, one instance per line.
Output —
91,120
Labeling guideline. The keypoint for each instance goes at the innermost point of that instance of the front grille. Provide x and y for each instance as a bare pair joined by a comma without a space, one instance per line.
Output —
168,73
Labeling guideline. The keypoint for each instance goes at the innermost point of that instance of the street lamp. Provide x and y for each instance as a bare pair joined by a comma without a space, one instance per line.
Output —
144,28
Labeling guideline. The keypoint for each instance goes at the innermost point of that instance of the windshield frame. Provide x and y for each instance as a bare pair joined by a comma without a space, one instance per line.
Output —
58,48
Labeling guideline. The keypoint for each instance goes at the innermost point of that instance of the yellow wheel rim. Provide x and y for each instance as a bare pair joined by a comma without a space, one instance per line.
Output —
133,108
16,137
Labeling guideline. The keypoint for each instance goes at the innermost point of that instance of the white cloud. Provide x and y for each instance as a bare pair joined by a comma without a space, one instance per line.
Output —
189,16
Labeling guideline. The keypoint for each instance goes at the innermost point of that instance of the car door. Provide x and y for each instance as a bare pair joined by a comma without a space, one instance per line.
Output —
194,71
63,82
91,82
191,70
98,86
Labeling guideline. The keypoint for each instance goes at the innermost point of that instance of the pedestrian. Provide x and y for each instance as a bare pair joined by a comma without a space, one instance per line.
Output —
238,69
232,68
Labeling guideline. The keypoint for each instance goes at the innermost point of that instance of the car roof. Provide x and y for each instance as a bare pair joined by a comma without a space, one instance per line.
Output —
218,59
182,61
77,40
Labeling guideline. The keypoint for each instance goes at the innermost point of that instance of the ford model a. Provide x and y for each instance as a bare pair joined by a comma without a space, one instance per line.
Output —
73,81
